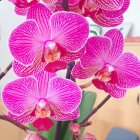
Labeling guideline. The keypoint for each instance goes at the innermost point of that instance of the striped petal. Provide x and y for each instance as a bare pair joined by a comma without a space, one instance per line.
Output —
41,14
24,42
71,56
101,19
117,44
70,30
26,70
65,117
119,12
43,77
21,11
24,118
96,52
109,4
20,95
128,71
83,73
64,94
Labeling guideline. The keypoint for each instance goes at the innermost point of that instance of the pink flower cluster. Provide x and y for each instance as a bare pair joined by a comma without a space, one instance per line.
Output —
47,42
107,13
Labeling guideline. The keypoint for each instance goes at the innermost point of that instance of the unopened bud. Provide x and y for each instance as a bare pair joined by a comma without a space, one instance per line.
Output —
88,136
75,128
32,137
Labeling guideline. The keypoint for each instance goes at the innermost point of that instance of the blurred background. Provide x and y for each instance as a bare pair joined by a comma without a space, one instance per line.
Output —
124,113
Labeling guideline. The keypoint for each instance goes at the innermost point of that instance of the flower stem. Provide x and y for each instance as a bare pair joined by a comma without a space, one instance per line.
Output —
86,85
96,109
2,74
23,127
58,129
68,76
65,5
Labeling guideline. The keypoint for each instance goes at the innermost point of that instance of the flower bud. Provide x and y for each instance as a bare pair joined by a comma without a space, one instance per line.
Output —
75,128
88,136
32,136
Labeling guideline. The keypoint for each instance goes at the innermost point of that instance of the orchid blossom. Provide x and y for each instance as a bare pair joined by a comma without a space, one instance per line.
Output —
22,6
107,13
47,41
112,71
39,98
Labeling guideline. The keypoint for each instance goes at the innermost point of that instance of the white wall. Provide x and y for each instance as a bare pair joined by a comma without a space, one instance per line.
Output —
8,21
133,15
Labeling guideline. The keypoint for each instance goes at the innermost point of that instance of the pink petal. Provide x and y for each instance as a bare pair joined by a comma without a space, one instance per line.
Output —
43,124
101,19
80,73
111,89
71,56
55,66
41,14
116,92
109,4
25,118
26,70
20,95
43,78
59,116
128,71
73,2
70,30
21,11
75,128
119,12
32,136
64,94
24,42
117,44
50,1
96,51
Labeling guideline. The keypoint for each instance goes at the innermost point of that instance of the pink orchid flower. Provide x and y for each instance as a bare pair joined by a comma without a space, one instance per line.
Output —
47,40
106,13
22,6
39,98
112,70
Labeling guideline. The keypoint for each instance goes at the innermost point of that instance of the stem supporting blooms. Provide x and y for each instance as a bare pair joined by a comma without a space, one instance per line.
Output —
96,109
2,74
19,125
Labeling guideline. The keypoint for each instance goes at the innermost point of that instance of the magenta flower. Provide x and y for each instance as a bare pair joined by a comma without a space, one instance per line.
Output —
47,40
22,6
107,13
112,70
39,98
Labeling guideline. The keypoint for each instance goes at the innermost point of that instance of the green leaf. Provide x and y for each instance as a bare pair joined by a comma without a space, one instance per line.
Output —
87,103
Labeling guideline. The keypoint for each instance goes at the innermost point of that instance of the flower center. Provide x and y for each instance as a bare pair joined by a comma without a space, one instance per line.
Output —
42,109
105,74
51,52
